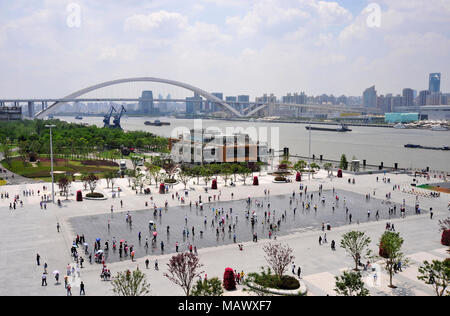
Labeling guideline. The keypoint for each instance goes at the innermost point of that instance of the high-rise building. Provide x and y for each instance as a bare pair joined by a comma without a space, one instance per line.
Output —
388,100
147,106
408,97
435,83
342,100
434,99
267,98
211,106
294,99
423,97
397,101
194,104
243,98
370,97
381,102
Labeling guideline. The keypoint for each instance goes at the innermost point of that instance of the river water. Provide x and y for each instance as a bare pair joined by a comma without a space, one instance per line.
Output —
374,144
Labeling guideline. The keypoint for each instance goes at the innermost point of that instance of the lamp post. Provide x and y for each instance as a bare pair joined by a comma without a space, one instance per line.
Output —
309,155
51,161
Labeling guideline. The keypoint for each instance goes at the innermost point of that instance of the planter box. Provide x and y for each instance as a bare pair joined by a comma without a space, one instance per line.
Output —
301,291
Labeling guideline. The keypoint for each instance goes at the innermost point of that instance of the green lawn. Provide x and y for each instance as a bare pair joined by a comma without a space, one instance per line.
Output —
43,169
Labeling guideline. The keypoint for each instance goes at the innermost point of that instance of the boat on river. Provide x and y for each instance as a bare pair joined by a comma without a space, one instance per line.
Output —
341,129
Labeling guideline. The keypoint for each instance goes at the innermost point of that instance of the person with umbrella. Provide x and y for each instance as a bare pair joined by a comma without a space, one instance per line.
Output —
56,273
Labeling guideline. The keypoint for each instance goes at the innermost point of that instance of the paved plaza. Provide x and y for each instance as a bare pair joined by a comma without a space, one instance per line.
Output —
29,230
294,213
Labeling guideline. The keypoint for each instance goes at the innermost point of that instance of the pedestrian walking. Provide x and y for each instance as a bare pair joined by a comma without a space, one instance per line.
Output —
82,290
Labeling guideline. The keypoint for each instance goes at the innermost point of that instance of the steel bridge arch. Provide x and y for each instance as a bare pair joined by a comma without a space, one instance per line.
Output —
199,91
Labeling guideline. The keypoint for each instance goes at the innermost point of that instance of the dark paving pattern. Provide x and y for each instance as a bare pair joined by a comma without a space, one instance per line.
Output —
97,226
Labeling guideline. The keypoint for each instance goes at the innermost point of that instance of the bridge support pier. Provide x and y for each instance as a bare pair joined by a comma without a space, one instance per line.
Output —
30,109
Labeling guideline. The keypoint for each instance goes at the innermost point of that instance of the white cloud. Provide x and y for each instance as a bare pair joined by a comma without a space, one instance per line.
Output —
122,52
264,14
155,20
234,46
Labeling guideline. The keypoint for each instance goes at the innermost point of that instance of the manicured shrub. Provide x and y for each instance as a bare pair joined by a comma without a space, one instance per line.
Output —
280,179
255,181
95,195
170,181
229,281
298,177
269,280
214,185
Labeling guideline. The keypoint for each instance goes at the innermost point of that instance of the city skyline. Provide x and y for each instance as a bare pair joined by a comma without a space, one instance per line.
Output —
225,45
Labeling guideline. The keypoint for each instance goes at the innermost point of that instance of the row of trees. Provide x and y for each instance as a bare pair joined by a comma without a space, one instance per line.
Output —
357,245
72,140
185,268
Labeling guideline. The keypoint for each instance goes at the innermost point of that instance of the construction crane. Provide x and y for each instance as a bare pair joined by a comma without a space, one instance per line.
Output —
117,118
107,119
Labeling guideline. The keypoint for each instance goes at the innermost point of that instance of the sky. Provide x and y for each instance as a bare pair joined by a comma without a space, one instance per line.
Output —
51,48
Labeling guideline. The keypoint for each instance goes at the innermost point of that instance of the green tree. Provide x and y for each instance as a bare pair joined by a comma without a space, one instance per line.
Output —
350,283
209,287
7,151
226,173
131,284
245,173
184,176
130,174
436,274
154,172
344,163
392,243
92,180
64,185
206,174
328,167
356,244
299,166
112,177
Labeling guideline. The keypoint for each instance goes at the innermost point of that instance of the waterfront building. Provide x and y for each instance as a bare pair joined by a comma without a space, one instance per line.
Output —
200,146
397,101
342,100
401,117
194,104
147,106
267,98
381,102
435,83
434,99
10,113
211,106
408,97
388,99
423,97
295,98
370,97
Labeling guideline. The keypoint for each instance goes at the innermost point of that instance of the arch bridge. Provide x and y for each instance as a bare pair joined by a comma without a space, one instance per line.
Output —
199,91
